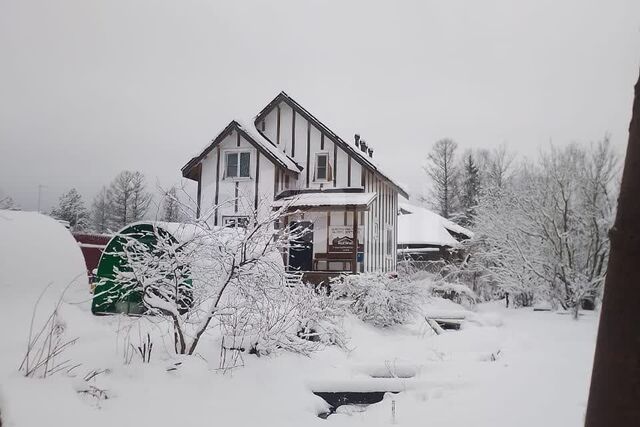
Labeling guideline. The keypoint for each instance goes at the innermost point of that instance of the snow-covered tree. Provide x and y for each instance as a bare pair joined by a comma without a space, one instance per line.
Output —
71,209
470,189
235,275
496,166
443,170
171,206
7,202
100,212
544,235
379,299
128,199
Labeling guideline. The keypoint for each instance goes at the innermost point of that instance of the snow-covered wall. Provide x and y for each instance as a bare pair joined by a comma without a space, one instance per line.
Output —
235,196
292,133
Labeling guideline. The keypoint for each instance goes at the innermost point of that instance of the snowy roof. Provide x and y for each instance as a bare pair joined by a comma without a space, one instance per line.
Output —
326,199
361,157
422,226
251,135
180,231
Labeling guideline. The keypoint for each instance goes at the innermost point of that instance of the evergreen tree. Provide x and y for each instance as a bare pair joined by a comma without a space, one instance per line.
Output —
7,203
470,189
100,212
71,209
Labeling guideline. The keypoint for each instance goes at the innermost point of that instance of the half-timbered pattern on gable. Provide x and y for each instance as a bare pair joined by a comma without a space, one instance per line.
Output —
286,156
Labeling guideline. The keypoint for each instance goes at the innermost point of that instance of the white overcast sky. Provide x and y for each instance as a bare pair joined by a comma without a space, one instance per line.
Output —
89,88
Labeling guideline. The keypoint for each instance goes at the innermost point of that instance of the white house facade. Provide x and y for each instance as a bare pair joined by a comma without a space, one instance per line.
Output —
286,156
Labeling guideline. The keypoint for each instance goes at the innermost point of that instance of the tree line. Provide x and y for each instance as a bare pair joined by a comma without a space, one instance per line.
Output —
124,201
540,227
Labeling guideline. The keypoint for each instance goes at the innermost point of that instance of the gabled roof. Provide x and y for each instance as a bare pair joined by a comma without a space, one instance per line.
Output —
255,138
420,226
358,155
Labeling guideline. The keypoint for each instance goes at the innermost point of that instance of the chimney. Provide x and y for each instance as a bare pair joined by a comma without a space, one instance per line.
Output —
357,139
363,145
370,150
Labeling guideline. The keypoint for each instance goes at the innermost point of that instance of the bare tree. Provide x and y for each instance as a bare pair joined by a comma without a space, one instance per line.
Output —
128,199
140,198
100,212
171,211
496,166
444,173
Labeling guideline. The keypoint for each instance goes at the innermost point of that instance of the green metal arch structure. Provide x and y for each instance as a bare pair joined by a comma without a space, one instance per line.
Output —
109,296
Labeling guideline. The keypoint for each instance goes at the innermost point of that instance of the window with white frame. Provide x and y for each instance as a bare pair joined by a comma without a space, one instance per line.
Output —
389,240
322,167
237,164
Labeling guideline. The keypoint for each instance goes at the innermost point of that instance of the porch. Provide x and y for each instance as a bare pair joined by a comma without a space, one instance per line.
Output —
330,234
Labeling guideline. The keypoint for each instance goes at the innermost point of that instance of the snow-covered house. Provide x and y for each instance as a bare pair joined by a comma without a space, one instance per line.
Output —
424,235
287,157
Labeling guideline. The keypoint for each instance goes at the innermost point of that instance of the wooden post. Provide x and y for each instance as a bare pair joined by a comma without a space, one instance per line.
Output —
354,266
615,381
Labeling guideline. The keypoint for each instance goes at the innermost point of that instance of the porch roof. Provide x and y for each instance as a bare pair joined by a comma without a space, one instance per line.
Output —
362,200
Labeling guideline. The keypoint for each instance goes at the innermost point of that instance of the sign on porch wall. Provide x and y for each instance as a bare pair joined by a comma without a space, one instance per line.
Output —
341,238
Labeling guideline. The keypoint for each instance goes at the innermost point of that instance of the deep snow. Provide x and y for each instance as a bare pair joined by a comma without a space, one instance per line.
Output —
506,368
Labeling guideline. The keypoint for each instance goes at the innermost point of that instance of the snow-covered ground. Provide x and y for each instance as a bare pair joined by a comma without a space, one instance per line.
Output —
504,368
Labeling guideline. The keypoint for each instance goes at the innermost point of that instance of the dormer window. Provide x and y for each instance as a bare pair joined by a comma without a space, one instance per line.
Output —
322,167
237,164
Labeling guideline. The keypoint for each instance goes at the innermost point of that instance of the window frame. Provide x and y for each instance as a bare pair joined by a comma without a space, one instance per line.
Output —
243,223
326,167
238,153
388,241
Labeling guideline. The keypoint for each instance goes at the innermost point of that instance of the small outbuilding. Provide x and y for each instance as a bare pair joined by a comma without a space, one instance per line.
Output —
425,236
109,295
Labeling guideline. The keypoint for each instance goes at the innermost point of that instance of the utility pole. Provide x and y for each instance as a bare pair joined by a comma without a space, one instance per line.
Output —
614,397
40,187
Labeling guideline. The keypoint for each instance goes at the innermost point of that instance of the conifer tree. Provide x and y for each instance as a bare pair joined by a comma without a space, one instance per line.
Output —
71,209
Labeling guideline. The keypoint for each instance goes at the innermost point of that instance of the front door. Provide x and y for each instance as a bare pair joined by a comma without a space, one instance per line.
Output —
301,250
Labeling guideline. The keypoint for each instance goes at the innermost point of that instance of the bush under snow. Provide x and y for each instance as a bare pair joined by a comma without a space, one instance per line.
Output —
379,299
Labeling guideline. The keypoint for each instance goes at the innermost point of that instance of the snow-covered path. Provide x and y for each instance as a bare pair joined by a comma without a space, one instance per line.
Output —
540,377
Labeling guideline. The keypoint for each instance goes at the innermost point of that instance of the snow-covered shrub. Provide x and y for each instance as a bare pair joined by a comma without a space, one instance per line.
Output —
233,275
444,284
379,299
276,316
460,294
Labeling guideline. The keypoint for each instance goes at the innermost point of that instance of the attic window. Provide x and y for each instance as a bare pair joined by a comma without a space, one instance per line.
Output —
322,166
237,164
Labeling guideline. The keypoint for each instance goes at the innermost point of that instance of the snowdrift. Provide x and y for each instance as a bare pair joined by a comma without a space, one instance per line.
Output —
38,256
